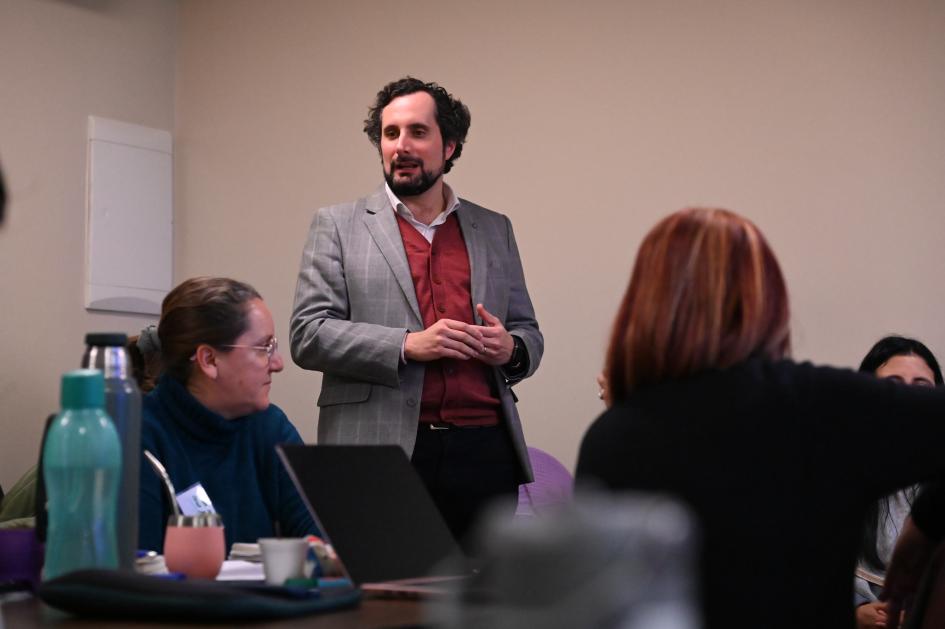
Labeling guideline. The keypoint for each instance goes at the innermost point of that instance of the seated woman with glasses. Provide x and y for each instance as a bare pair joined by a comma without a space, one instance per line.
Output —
209,420
771,455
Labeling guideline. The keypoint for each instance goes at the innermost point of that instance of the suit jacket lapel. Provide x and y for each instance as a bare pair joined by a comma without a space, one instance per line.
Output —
382,225
478,257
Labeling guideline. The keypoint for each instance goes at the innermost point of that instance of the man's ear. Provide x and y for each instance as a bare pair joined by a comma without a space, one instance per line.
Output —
448,149
205,359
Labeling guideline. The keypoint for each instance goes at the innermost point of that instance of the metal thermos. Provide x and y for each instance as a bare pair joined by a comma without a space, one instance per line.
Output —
106,351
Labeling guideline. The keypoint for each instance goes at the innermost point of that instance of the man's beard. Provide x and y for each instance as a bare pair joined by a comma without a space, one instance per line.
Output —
414,186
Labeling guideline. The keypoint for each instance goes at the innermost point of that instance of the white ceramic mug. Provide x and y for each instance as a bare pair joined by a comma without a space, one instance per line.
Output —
284,558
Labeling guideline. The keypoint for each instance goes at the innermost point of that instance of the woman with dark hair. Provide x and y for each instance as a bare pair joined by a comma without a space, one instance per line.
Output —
908,361
768,453
904,360
209,420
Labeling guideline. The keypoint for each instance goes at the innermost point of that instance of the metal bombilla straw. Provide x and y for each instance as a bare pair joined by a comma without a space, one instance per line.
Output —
168,485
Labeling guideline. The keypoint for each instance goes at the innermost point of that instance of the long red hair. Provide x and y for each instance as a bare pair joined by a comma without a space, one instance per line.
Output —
706,292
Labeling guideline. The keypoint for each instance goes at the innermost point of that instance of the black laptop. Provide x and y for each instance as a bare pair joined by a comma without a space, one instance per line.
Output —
376,513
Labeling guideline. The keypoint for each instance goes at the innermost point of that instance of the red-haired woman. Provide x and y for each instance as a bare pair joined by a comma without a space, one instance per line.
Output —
768,453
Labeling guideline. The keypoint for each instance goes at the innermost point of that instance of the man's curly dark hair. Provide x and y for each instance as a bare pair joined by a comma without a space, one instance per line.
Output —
452,116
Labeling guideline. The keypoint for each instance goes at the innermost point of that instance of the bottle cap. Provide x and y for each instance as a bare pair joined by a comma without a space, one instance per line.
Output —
106,339
83,388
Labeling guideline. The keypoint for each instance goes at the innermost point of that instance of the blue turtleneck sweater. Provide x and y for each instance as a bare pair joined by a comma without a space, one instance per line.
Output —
234,459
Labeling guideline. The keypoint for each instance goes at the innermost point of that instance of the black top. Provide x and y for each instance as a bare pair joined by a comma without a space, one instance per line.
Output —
928,510
779,463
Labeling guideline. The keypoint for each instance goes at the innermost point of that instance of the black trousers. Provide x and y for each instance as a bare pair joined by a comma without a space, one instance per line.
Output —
465,470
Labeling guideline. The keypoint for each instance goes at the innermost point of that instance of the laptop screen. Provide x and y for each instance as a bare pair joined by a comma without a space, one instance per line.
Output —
373,508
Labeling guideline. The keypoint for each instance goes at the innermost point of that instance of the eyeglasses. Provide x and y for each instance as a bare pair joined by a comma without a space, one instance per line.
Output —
270,347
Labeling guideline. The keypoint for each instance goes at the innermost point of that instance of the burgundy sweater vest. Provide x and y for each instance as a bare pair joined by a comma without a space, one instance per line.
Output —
454,391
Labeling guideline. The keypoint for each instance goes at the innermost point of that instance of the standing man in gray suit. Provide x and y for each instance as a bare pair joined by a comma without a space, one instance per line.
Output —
412,303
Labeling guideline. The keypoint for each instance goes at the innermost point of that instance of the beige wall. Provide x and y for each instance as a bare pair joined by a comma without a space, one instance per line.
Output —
61,61
819,120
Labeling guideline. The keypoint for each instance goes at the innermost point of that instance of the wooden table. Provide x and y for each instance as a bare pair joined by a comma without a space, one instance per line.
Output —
373,613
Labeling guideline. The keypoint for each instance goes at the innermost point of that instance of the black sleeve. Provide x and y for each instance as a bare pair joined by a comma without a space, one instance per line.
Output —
928,510
854,415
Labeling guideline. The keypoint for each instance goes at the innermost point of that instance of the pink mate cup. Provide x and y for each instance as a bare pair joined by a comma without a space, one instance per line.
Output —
194,545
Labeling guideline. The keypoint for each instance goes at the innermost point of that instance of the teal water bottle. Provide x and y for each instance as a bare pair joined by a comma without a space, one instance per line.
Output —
82,467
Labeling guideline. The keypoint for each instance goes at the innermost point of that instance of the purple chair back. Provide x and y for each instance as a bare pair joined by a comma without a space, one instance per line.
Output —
553,485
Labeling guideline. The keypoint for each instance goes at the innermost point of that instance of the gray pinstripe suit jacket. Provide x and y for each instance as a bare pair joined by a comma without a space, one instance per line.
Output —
355,300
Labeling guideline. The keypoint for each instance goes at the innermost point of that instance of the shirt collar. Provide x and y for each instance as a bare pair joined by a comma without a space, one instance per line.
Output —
452,204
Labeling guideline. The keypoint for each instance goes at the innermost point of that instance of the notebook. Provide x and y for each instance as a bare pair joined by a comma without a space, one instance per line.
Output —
374,509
